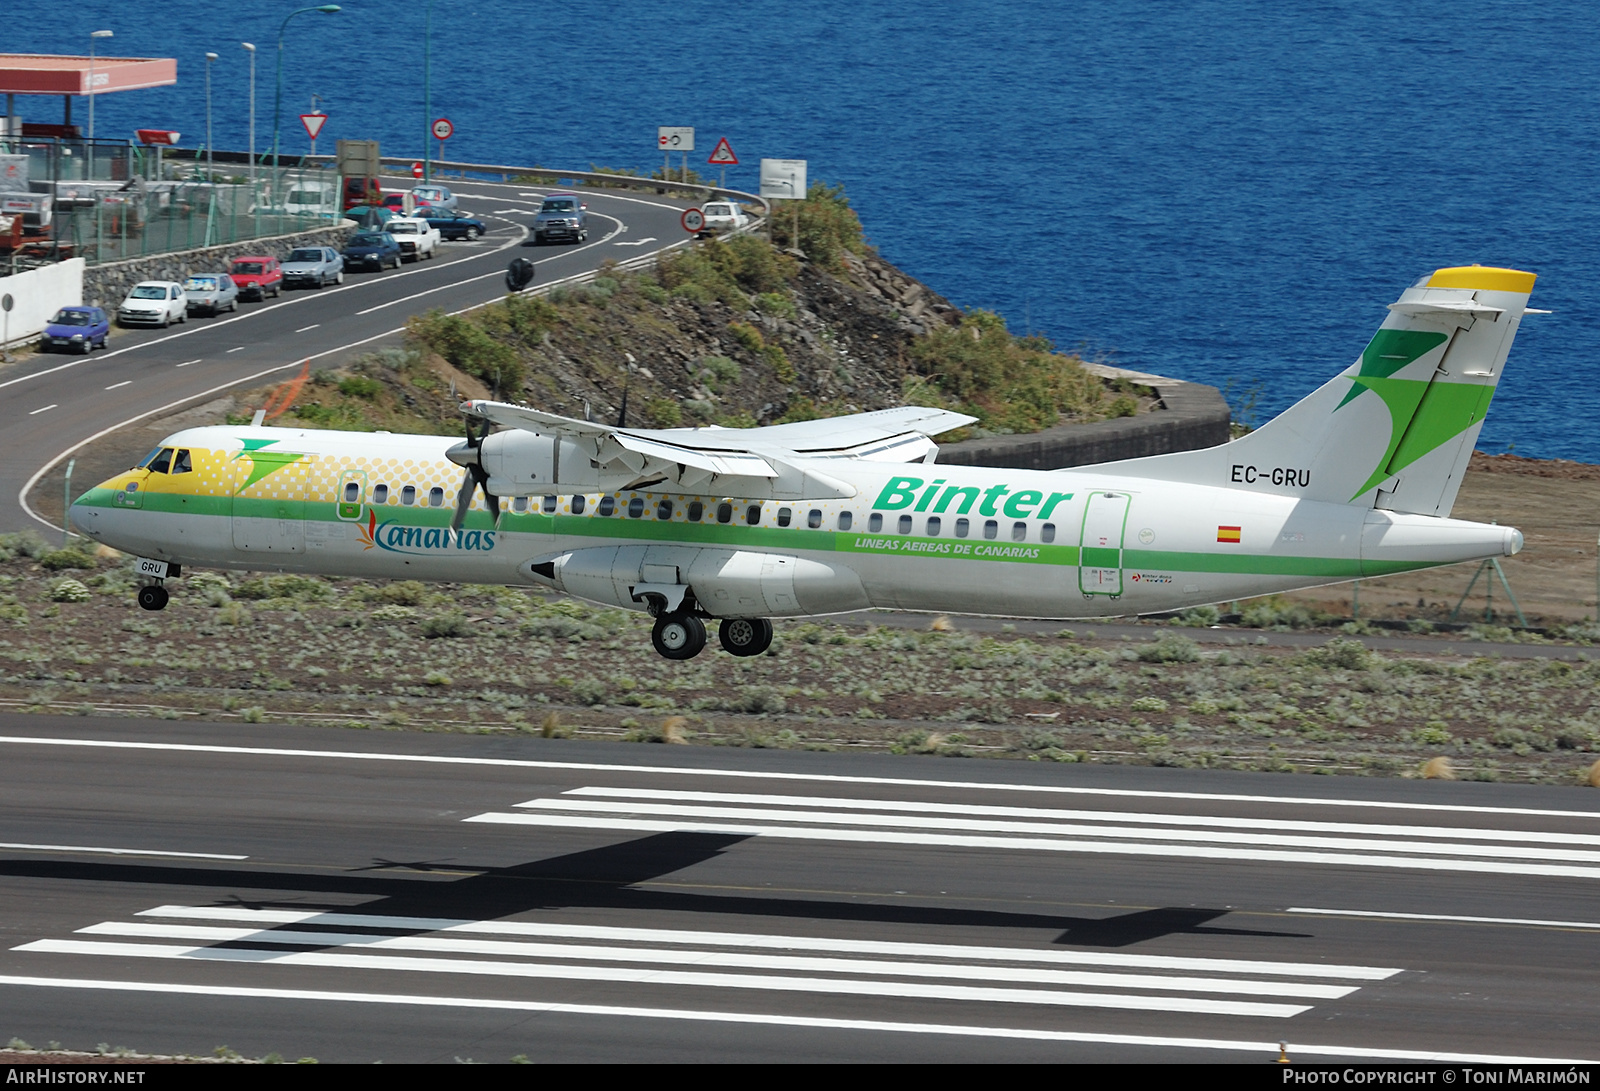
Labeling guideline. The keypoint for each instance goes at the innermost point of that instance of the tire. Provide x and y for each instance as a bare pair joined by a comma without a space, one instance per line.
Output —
338,278
85,348
153,597
476,232
745,636
678,636
166,320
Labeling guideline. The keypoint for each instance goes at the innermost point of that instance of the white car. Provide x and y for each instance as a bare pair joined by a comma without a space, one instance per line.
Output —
154,303
435,196
418,239
723,216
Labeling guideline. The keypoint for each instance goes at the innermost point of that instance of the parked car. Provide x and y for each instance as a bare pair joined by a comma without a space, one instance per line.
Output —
451,223
317,266
370,217
312,199
417,238
433,197
371,250
153,303
723,216
359,192
257,276
562,216
210,293
394,202
78,329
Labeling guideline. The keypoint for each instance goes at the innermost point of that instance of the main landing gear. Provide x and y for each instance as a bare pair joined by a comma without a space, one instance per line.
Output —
682,635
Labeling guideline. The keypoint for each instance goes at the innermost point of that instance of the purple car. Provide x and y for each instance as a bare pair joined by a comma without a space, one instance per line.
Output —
76,329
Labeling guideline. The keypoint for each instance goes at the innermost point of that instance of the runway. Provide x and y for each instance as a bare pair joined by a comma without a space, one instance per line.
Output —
362,896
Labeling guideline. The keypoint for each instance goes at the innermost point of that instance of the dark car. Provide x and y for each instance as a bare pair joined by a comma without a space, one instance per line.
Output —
562,216
371,250
77,329
450,223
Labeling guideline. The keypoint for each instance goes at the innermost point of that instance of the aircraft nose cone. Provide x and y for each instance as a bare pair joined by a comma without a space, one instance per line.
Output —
1513,544
83,519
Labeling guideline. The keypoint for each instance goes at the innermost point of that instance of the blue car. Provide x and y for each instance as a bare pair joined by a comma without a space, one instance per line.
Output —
77,329
371,250
451,223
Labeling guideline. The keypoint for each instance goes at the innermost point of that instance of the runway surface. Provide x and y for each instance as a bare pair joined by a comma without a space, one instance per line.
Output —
360,896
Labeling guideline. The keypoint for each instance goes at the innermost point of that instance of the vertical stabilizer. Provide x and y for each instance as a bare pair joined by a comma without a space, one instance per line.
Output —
1396,429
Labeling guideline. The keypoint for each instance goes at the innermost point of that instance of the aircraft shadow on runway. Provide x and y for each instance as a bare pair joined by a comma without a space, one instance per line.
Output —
602,878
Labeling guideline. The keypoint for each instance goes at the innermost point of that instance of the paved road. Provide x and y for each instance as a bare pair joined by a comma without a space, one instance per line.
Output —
52,404
411,897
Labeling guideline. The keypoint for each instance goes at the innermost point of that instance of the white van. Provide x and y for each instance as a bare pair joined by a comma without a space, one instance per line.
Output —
312,199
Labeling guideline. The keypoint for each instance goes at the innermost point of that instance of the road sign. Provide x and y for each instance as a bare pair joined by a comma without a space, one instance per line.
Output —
313,123
675,139
783,179
694,221
416,170
723,155
442,129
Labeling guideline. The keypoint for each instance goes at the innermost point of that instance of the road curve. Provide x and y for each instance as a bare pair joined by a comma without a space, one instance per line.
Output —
361,896
52,405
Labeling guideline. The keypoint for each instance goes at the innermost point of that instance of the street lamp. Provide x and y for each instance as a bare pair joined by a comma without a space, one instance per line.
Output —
93,34
277,105
211,170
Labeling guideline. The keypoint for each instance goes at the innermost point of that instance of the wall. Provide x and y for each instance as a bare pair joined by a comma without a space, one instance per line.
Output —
1191,416
107,285
39,293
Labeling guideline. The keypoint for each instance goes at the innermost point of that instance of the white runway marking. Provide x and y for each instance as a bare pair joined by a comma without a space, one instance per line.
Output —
636,242
1266,1049
186,363
123,852
45,409
314,325
239,349
124,382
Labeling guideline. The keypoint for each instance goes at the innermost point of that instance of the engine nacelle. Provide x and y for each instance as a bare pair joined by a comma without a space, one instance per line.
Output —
522,463
722,582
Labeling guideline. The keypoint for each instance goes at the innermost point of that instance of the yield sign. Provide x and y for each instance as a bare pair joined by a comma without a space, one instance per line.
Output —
313,123
723,155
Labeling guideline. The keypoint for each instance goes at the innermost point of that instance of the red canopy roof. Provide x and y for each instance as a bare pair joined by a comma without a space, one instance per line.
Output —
37,74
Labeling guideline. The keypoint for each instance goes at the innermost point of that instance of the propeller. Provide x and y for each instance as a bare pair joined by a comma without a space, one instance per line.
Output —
470,456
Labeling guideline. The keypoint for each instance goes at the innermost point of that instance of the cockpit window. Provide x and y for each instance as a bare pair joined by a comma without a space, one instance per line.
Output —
181,463
158,461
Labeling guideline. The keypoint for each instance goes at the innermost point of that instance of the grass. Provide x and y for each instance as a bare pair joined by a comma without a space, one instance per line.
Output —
424,657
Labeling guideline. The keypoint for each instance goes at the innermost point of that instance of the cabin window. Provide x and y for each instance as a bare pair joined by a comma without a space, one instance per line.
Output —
408,495
181,463
875,522
1019,532
963,528
436,497
636,507
905,524
550,503
845,519
991,529
814,518
519,504
352,492
784,517
696,510
161,463
933,526
1047,533
724,512
752,515
664,510
608,504
380,494
578,504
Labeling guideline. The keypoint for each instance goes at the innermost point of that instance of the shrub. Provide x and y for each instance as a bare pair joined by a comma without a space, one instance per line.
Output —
776,304
829,227
1169,648
57,559
468,347
69,590
359,386
446,626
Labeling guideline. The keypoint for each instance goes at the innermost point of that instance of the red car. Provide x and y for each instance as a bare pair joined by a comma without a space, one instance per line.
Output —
361,191
394,202
257,276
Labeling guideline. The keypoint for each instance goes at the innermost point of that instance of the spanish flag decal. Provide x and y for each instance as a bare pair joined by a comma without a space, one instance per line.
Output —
1228,534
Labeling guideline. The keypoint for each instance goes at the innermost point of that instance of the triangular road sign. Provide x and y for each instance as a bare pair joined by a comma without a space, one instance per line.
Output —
723,155
313,123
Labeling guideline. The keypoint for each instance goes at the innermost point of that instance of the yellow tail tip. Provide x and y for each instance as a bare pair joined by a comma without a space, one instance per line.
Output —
1484,278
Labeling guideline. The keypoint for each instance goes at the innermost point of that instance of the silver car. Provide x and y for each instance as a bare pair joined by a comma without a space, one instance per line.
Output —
313,266
153,303
210,293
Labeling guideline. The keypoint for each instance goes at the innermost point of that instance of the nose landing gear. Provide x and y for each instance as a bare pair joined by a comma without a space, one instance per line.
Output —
153,596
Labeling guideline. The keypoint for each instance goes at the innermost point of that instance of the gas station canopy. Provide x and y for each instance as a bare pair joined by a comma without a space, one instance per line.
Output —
37,74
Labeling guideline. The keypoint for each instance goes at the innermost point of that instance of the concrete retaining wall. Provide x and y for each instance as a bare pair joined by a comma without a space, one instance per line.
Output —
106,285
1192,416
36,295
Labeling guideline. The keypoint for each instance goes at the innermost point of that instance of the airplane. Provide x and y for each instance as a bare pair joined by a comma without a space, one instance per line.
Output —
827,516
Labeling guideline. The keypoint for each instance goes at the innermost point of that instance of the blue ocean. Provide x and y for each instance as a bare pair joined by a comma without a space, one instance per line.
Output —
1228,192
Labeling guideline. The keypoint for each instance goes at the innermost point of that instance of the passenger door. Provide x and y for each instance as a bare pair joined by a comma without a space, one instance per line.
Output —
1100,546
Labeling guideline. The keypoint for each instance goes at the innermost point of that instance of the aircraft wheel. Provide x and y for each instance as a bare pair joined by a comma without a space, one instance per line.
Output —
745,636
678,636
153,597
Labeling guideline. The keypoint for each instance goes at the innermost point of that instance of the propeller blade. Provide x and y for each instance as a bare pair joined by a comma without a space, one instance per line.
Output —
469,482
494,503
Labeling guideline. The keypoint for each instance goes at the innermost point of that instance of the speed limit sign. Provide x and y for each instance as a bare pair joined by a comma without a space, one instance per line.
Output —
694,221
442,129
